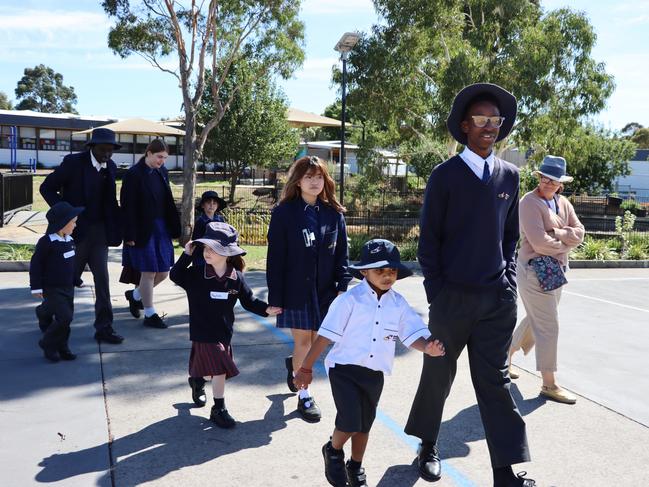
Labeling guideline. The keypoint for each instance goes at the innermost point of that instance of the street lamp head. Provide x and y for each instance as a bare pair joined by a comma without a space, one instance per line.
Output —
347,42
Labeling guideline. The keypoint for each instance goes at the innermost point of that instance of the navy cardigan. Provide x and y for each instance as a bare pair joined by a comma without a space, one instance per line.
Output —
70,182
137,202
291,266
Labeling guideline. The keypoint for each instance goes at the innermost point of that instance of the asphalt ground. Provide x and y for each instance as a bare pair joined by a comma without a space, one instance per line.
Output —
123,416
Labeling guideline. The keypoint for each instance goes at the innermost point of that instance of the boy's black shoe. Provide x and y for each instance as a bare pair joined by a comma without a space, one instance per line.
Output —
43,322
430,466
108,335
521,481
198,390
66,354
309,410
222,418
334,466
51,355
134,306
356,477
154,321
288,361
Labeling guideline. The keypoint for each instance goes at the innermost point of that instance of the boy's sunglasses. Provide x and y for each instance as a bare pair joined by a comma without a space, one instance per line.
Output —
482,121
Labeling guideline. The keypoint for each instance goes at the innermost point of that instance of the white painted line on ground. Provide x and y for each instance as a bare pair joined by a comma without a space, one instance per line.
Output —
610,279
607,301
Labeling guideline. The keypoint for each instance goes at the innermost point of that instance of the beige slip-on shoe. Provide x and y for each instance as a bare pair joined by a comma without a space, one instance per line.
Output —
558,394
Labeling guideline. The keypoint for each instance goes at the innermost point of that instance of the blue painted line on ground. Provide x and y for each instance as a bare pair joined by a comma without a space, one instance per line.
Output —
392,425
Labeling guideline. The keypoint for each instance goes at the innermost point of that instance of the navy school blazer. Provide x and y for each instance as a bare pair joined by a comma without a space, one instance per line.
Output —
291,267
68,182
137,203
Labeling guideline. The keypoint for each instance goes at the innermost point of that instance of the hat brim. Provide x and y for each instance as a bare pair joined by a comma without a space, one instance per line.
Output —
222,203
57,226
90,143
506,103
226,251
402,270
562,179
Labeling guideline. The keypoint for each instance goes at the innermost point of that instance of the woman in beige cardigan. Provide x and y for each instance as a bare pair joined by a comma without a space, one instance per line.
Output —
549,226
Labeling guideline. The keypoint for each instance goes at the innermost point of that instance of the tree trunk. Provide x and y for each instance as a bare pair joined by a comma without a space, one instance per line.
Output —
189,182
234,176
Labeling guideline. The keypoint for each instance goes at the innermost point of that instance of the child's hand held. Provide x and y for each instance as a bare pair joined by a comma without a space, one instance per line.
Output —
435,349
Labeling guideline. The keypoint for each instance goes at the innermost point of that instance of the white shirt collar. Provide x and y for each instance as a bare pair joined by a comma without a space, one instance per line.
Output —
476,162
368,290
95,163
56,236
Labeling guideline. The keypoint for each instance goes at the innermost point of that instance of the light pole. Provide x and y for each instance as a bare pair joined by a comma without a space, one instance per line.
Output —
344,46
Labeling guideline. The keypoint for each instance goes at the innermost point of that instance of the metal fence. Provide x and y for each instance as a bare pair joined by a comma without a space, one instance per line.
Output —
16,193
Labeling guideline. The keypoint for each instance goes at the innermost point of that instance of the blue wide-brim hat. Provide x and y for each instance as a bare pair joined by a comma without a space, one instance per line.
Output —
222,239
103,136
212,195
506,106
60,214
379,253
554,167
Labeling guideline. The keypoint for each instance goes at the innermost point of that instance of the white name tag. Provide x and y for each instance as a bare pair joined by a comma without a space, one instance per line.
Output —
69,254
218,295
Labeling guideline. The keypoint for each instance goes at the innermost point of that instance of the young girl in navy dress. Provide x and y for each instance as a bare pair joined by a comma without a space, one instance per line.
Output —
212,291
209,207
306,263
150,222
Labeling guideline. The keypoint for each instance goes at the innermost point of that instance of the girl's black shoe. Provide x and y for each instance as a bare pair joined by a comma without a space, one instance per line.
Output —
288,362
198,390
66,354
51,355
154,321
222,418
134,306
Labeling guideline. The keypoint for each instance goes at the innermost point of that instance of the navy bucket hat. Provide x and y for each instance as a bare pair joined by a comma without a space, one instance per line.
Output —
554,167
60,214
103,136
212,195
379,254
506,105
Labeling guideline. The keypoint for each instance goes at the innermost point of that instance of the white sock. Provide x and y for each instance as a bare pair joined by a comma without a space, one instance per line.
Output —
149,311
136,294
304,393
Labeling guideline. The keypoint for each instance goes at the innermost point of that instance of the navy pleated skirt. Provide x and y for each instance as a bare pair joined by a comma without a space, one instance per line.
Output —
305,318
156,256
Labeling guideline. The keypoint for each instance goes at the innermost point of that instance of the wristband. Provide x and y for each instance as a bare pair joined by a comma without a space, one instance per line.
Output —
305,370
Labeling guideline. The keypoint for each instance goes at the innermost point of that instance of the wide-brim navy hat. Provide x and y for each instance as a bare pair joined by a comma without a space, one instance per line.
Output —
60,215
554,167
506,106
103,136
222,239
379,254
212,195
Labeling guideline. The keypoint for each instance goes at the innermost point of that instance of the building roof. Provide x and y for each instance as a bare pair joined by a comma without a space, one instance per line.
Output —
139,126
69,121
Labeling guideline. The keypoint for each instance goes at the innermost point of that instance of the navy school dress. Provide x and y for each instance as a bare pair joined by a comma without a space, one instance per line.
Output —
306,263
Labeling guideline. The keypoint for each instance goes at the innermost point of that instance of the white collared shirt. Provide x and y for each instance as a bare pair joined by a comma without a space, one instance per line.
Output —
56,236
95,163
364,328
476,163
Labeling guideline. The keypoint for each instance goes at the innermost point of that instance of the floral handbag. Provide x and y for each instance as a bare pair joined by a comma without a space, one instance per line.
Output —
549,272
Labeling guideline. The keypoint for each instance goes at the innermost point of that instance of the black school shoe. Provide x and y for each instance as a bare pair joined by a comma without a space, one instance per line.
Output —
309,410
521,481
198,390
66,354
51,355
154,321
356,478
222,418
334,466
428,462
288,362
108,335
134,306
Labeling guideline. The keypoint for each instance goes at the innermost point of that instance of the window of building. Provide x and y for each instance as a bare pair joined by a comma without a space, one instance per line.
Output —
171,142
141,142
5,134
126,141
47,139
78,143
63,140
26,137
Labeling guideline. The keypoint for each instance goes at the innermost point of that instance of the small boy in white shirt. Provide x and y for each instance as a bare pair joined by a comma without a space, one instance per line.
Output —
363,323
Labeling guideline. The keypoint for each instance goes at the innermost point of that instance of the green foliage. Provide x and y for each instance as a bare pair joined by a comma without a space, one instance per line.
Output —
528,180
407,248
624,225
424,155
637,252
5,103
595,249
630,204
641,138
16,251
41,89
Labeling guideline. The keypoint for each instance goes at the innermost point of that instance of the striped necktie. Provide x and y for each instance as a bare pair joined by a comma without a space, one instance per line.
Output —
485,172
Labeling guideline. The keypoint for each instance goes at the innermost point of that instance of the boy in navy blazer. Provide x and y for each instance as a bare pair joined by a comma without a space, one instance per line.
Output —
88,179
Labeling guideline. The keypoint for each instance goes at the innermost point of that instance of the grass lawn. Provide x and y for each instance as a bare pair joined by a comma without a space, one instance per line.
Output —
16,251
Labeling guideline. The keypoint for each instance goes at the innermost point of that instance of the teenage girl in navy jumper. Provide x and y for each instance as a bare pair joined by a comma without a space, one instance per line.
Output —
212,291
52,278
150,222
307,262
209,207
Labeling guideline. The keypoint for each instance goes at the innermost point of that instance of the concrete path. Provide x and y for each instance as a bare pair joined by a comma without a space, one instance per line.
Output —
122,415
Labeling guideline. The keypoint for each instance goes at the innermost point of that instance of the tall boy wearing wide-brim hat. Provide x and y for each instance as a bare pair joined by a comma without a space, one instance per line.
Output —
52,278
467,251
88,179
364,323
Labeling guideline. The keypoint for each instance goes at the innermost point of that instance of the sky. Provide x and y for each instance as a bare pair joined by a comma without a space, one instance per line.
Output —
71,38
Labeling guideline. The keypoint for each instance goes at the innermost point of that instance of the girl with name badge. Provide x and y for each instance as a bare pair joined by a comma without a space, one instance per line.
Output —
212,292
307,262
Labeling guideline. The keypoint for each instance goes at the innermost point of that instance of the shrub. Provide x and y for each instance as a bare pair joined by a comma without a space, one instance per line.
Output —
637,252
593,249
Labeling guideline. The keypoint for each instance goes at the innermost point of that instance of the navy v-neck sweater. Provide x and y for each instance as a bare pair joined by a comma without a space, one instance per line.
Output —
468,228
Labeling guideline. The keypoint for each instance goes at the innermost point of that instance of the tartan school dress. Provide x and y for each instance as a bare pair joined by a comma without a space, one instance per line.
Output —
211,314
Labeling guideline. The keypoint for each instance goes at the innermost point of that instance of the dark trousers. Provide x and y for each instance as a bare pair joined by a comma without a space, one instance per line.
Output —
93,251
57,309
483,320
